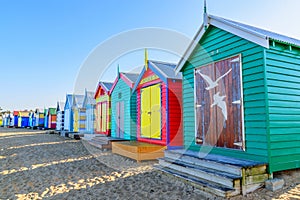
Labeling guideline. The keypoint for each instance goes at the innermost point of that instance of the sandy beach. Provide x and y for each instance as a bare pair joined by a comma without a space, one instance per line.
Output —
36,165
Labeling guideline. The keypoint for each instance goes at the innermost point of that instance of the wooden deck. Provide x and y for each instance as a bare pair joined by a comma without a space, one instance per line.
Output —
103,142
138,151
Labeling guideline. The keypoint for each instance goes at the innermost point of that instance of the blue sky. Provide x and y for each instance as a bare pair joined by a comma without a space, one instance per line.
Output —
43,44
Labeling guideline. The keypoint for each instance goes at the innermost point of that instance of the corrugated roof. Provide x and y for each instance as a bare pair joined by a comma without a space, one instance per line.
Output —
266,33
131,76
107,85
167,69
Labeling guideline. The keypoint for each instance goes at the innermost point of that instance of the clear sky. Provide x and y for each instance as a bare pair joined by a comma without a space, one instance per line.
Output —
44,43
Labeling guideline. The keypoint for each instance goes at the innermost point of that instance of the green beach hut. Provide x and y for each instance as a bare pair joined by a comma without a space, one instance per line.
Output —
240,107
123,106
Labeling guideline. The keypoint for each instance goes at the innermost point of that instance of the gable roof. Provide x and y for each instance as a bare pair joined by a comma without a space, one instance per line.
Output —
132,77
52,111
107,85
60,106
104,85
78,100
163,70
128,78
23,113
69,101
89,98
253,34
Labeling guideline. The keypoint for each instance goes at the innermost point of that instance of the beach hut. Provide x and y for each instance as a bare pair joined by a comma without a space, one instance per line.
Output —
15,118
79,114
51,118
103,108
123,106
159,97
46,118
23,119
240,103
1,121
32,119
89,103
60,116
39,118
68,113
5,119
11,120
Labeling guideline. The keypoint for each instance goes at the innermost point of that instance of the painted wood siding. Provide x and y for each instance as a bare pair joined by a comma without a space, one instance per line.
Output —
217,44
99,100
283,81
129,110
60,120
175,113
90,118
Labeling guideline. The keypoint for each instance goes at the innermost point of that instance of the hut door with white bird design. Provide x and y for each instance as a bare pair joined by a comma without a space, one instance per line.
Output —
219,104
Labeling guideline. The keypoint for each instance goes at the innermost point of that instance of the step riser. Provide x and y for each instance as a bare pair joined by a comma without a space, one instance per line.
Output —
199,174
205,163
208,191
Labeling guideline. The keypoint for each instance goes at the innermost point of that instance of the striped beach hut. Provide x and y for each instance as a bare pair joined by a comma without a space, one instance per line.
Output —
60,116
23,119
79,114
159,112
89,103
39,118
103,108
51,118
123,106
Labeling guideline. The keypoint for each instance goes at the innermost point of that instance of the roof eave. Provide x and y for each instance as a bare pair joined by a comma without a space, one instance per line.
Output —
254,37
190,49
247,34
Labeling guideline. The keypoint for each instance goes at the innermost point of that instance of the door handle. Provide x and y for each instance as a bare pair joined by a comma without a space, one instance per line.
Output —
149,113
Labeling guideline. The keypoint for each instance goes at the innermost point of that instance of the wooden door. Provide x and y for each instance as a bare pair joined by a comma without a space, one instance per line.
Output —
98,117
151,112
120,119
155,112
218,99
145,112
76,120
104,117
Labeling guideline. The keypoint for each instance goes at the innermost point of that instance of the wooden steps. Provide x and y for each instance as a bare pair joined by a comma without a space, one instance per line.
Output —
138,151
103,142
220,175
75,135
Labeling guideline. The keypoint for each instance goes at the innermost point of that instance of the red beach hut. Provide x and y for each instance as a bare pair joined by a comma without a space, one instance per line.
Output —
159,110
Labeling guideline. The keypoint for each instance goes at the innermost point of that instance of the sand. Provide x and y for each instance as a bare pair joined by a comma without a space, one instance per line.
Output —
36,165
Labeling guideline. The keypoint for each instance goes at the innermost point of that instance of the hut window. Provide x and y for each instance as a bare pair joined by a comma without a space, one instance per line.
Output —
120,95
218,104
